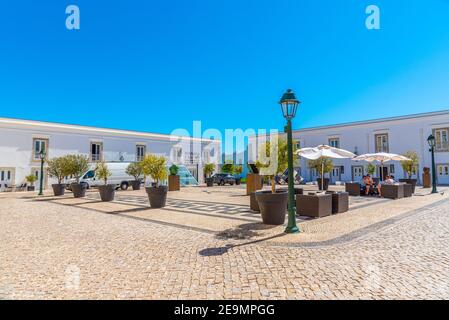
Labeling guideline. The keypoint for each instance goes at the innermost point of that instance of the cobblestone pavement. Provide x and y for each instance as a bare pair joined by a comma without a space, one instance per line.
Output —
52,251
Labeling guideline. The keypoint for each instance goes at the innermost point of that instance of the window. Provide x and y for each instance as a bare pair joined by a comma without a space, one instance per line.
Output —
441,140
382,143
298,145
177,154
9,175
89,175
96,151
140,152
334,142
391,168
39,145
3,175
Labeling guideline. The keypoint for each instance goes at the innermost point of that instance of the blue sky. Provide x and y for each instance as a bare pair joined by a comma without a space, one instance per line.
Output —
159,65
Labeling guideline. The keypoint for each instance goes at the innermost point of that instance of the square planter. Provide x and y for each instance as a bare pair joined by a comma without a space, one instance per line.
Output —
173,183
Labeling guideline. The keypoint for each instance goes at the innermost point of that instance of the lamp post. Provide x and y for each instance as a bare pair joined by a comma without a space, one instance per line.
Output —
431,141
41,183
289,104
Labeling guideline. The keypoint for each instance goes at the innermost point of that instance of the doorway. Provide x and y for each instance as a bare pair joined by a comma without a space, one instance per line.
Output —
357,173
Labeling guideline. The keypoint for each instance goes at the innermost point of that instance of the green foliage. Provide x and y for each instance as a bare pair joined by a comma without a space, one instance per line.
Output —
155,167
238,169
228,168
102,172
412,164
370,169
59,168
265,157
31,179
209,168
174,169
321,165
77,165
271,164
134,169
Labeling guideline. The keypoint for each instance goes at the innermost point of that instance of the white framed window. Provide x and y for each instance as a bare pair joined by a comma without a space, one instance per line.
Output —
381,141
441,139
141,150
39,145
177,154
96,151
334,142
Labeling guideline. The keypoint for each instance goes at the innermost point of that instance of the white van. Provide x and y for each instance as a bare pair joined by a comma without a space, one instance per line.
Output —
118,177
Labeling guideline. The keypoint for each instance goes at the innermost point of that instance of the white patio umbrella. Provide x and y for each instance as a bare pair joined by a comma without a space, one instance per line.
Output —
381,157
324,151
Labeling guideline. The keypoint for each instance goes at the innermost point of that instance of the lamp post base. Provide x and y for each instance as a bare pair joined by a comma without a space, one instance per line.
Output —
292,230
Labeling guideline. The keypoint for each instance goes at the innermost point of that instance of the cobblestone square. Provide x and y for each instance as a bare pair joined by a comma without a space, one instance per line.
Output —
207,244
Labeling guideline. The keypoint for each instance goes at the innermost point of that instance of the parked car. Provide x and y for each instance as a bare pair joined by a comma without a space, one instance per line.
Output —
118,177
223,178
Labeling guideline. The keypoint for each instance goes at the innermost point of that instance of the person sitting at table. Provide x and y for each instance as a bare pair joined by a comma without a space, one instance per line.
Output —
369,185
363,185
388,181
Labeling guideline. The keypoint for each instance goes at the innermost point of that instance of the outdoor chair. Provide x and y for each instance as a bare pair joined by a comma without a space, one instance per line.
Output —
317,205
392,191
353,189
340,202
8,188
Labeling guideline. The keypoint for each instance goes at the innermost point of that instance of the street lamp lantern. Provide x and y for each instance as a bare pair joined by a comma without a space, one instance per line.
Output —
289,105
42,156
431,141
432,144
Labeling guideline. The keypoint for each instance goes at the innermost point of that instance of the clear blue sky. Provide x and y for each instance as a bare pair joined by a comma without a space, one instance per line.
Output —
159,65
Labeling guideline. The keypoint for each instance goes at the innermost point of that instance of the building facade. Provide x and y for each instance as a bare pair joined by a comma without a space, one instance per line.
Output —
393,135
22,140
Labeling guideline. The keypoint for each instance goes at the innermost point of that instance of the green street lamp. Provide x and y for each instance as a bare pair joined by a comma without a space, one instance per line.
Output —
431,141
42,156
289,104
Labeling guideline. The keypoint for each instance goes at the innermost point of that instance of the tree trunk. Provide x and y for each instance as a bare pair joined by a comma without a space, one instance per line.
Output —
273,185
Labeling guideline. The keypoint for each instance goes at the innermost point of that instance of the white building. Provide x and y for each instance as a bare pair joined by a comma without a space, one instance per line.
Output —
22,140
394,135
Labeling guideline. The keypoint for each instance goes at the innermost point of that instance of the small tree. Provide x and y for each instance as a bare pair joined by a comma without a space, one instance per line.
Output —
238,170
134,170
31,179
322,166
371,168
77,165
155,167
228,168
58,168
174,169
102,172
410,166
273,159
209,168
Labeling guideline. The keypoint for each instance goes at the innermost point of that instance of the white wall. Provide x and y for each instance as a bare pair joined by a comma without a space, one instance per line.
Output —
16,143
405,134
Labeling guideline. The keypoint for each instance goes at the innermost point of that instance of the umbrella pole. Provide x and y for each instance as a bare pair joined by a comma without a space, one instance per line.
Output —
322,176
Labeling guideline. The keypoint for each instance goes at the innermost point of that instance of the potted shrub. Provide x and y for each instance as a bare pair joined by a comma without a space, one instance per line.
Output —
209,168
155,167
322,166
135,170
107,191
173,178
238,174
77,166
410,167
273,204
58,168
31,179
